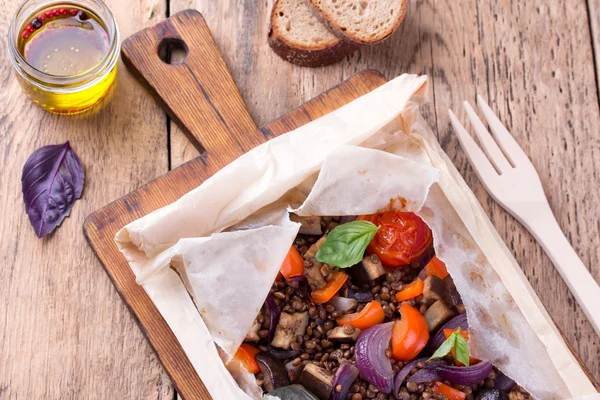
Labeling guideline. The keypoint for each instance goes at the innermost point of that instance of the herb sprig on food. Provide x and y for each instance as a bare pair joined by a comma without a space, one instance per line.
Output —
457,342
345,245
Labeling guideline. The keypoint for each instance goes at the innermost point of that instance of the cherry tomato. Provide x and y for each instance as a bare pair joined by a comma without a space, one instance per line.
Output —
246,354
411,290
333,286
437,268
409,335
369,316
402,237
293,264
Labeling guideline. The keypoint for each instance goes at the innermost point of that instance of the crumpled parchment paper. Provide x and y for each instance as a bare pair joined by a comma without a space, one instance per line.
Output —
208,260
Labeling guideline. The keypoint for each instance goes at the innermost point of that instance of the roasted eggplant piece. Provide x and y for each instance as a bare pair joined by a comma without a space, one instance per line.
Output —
492,394
308,225
273,371
437,315
341,334
312,250
317,380
369,269
434,289
452,296
362,296
290,326
252,335
294,392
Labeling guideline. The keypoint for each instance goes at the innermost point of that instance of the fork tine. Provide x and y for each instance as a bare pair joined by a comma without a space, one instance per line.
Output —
501,134
487,142
478,159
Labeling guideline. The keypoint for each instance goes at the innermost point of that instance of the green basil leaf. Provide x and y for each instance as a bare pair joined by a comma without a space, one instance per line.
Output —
345,244
293,392
446,347
462,350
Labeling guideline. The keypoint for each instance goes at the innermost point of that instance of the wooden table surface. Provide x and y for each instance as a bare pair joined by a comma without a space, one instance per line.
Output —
65,333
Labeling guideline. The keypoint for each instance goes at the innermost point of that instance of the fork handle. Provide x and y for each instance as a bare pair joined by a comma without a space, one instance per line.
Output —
542,224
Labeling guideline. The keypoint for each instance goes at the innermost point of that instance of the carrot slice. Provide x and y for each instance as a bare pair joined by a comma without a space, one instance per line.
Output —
448,392
437,268
293,264
409,334
246,354
411,290
369,316
333,286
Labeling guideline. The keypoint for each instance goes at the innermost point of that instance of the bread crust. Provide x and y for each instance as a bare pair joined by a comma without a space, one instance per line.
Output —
329,20
307,56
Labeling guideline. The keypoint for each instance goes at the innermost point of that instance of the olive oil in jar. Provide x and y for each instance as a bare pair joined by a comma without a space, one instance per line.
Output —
67,55
68,41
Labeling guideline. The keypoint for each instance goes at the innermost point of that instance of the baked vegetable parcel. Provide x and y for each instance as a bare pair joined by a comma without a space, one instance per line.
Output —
379,277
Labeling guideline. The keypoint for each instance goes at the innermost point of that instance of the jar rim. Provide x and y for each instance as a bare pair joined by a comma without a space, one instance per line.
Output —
43,79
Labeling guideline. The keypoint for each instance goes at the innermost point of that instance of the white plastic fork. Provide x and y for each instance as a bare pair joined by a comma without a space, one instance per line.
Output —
511,179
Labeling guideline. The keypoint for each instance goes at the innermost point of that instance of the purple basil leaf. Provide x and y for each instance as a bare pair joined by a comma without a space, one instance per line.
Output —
52,180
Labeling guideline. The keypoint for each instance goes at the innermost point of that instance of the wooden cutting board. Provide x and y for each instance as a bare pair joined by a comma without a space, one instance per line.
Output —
201,96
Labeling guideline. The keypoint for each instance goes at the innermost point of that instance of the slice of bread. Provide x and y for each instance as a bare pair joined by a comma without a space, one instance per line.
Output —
362,21
298,36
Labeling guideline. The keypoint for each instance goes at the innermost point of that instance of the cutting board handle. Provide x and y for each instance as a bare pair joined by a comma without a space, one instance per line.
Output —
199,93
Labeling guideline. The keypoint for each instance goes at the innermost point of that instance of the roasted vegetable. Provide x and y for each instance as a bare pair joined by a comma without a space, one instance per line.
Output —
252,335
273,371
343,334
289,327
409,334
402,237
452,296
369,269
369,316
434,289
293,264
362,296
308,225
410,291
294,392
436,267
246,355
330,289
317,380
437,314
312,268
312,251
492,394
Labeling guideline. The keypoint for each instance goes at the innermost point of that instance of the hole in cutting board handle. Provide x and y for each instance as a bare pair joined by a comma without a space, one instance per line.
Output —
172,51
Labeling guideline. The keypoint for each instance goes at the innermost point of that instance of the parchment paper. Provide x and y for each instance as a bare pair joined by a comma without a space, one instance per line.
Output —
247,198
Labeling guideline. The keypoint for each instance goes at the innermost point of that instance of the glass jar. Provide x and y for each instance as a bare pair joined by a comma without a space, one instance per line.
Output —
71,93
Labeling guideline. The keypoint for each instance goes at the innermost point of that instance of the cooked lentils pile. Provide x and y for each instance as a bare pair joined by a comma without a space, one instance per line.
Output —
323,344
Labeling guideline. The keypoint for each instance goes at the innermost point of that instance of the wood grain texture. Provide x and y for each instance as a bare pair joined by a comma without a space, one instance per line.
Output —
102,225
64,332
594,18
198,93
537,73
531,59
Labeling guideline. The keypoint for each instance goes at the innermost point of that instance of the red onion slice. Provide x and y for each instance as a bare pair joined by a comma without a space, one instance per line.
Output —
460,321
343,304
402,374
274,313
424,375
344,377
373,364
463,375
